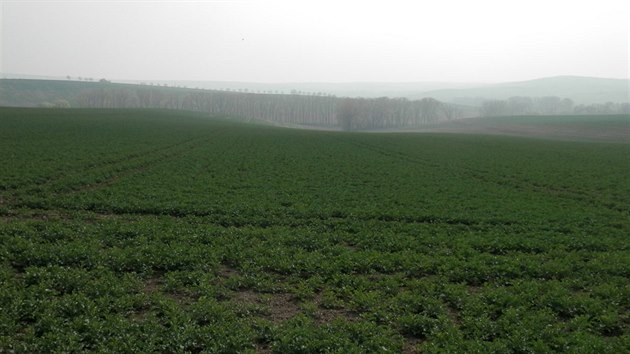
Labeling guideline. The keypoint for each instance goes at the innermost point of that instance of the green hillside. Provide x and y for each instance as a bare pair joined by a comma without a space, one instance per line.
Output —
31,92
170,231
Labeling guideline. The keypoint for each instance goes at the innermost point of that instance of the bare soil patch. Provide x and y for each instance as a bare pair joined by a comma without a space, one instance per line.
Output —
278,307
410,345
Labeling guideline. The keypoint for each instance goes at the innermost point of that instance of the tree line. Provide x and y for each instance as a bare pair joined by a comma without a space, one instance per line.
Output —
317,110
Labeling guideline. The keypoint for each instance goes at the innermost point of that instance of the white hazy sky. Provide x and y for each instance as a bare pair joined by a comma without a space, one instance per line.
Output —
316,41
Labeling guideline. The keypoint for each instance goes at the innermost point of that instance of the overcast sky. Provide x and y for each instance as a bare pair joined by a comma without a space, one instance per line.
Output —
316,41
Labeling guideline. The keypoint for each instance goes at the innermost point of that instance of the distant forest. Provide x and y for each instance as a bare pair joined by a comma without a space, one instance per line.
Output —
300,109
297,108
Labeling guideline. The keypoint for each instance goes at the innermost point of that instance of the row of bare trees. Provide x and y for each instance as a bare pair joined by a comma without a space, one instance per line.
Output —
384,113
290,109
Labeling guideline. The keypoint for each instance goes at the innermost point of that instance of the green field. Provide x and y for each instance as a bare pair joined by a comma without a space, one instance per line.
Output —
163,231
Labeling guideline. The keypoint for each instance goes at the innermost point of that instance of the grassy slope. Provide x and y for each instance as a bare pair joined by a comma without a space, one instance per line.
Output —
30,93
166,231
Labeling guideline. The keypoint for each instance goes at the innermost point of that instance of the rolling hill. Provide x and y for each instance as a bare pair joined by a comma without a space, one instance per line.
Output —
582,90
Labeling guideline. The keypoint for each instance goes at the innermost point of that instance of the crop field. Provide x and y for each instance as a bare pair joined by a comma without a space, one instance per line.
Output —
172,232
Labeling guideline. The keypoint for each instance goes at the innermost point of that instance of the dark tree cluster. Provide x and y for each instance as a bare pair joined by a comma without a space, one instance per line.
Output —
383,113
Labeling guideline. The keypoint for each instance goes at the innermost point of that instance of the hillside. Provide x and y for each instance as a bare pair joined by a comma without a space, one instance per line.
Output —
582,90
344,89
32,92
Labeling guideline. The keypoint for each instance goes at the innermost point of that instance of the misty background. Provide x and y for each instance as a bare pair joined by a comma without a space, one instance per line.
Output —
325,41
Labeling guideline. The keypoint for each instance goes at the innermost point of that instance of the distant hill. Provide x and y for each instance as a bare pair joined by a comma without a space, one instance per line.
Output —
30,93
34,92
582,90
341,89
